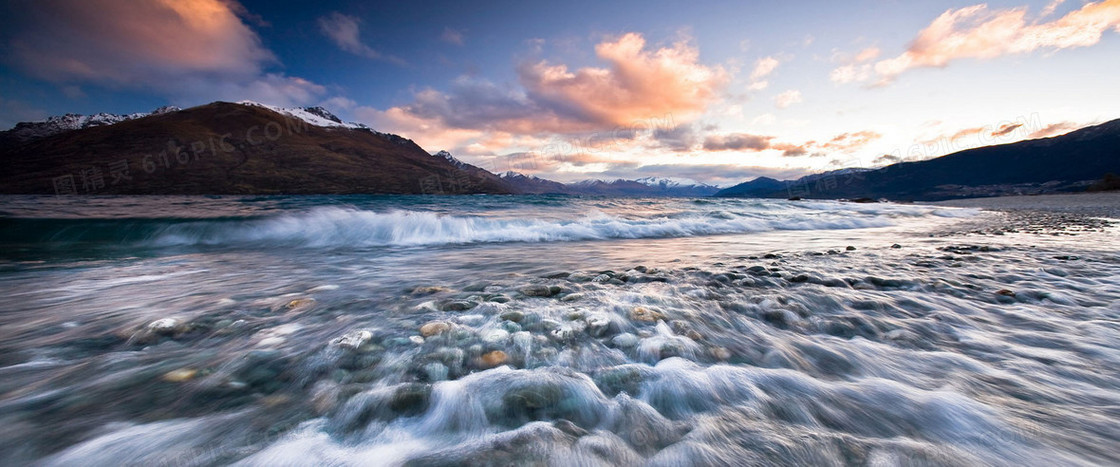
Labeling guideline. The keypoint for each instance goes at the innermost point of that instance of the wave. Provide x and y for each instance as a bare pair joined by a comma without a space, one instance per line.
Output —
325,227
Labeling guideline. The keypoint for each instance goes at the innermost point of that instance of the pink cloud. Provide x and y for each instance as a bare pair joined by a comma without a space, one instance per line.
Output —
979,33
638,84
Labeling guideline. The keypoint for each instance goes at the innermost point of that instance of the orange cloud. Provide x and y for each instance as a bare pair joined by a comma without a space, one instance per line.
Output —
979,33
193,49
639,84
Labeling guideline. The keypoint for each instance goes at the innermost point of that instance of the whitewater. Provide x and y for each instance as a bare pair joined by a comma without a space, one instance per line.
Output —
551,330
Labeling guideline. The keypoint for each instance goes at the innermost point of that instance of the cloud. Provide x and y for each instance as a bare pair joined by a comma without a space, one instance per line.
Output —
681,138
187,50
979,33
345,32
639,88
857,68
637,84
1006,128
844,142
737,142
123,42
1055,129
762,69
787,98
452,36
886,159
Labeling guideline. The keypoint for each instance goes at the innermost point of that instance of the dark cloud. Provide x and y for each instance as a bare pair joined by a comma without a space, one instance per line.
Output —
737,142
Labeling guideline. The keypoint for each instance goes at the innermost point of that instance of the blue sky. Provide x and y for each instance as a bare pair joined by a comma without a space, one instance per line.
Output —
715,91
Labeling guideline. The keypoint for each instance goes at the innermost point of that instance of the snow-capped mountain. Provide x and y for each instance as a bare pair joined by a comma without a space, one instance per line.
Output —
27,131
317,116
672,182
450,158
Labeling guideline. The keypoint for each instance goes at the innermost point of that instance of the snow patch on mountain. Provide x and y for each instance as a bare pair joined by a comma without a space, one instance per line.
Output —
27,131
671,182
317,116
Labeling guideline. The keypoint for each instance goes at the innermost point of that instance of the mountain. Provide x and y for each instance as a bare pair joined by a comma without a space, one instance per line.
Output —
28,131
678,186
526,184
1067,162
226,148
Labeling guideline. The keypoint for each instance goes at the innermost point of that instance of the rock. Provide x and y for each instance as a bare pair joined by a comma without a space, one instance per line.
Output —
570,428
495,336
511,327
181,375
799,278
435,371
354,339
458,305
625,340
833,252
896,246
500,299
598,325
416,340
300,304
758,271
429,290
556,275
1005,293
324,396
513,315
850,248
571,297
601,278
163,327
434,328
410,399
645,315
720,353
493,359
694,335
538,290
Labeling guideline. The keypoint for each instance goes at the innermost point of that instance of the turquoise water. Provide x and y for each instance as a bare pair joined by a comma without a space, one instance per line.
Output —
553,330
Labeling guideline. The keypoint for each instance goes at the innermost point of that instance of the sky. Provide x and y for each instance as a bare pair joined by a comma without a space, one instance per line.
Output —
713,91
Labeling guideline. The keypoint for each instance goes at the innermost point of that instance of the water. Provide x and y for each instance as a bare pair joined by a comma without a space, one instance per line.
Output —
556,331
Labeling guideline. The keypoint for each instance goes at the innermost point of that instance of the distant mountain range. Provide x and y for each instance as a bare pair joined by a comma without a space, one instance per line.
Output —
649,186
1070,162
252,148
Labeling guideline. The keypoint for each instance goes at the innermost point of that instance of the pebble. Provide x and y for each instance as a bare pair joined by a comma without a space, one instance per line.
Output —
571,297
164,326
598,325
458,305
433,328
850,248
896,246
513,315
625,340
436,371
493,359
300,304
181,375
495,336
539,290
354,339
429,289
645,315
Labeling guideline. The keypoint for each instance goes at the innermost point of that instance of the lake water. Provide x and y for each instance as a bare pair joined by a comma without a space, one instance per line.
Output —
514,330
